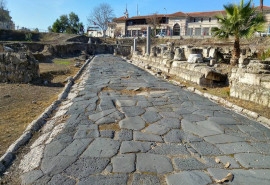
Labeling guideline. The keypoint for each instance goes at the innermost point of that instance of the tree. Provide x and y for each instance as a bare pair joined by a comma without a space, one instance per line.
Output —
4,13
67,24
49,29
154,20
101,16
240,21
73,23
117,32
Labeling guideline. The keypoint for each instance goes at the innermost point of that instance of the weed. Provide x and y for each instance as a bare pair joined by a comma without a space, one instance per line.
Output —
262,55
28,36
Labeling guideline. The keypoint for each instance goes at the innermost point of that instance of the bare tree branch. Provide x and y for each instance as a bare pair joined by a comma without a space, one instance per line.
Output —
101,16
155,21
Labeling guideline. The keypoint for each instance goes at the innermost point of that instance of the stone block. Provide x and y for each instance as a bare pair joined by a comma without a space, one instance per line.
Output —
141,179
195,58
188,178
188,164
85,167
96,148
133,123
104,179
123,163
135,147
235,148
253,160
153,163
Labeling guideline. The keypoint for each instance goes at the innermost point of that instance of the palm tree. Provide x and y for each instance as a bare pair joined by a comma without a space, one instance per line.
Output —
240,21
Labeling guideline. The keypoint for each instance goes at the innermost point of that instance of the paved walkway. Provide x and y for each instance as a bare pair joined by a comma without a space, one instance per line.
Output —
120,125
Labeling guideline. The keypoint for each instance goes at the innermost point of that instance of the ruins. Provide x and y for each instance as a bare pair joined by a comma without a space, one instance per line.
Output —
200,64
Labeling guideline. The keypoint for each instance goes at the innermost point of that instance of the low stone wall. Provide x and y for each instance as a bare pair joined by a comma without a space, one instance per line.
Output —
19,67
252,83
173,61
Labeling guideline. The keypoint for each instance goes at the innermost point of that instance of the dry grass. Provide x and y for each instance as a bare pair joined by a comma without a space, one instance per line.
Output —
224,92
20,104
112,126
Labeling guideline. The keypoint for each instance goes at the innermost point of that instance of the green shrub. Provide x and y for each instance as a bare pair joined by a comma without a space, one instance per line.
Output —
28,36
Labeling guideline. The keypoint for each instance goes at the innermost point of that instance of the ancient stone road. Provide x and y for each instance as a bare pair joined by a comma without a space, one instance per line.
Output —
121,125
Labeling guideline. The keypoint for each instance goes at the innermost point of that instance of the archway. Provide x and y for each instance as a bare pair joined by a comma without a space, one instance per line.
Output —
176,29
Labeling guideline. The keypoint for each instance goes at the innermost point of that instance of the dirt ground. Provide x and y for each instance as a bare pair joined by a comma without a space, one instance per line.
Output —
20,104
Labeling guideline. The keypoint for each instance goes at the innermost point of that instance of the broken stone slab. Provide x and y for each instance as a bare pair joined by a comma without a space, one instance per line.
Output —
135,146
133,123
97,148
104,179
145,179
189,178
123,163
253,160
235,148
251,177
140,136
195,58
153,163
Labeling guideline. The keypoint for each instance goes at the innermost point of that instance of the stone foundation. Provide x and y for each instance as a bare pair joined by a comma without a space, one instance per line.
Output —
251,83
19,67
170,60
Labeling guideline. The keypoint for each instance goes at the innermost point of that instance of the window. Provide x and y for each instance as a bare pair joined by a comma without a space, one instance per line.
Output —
176,29
206,31
197,31
189,31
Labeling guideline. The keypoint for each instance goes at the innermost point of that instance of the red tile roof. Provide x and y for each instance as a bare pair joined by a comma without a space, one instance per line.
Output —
119,19
181,14
177,14
205,14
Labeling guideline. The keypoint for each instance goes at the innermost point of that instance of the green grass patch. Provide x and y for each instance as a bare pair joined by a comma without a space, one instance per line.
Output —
61,62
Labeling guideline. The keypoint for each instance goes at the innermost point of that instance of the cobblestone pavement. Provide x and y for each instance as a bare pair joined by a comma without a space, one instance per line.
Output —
121,125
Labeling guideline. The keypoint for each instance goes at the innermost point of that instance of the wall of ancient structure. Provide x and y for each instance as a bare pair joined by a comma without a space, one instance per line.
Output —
18,67
185,62
251,82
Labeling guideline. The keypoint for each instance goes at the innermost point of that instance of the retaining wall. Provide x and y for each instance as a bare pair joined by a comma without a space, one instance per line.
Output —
252,83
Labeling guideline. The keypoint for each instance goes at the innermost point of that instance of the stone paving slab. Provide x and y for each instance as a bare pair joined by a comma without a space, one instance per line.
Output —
124,126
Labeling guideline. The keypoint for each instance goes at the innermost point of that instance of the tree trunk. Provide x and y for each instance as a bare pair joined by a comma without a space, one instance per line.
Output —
261,5
236,52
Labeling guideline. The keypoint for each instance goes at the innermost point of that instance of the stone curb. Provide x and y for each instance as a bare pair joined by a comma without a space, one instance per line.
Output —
36,124
240,110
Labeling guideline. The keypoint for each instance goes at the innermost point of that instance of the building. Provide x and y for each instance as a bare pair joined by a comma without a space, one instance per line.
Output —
94,31
179,24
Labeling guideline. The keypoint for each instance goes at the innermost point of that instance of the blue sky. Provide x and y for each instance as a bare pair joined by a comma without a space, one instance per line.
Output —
42,13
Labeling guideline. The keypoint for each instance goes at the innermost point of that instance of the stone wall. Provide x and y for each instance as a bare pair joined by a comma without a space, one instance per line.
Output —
175,61
19,67
251,82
